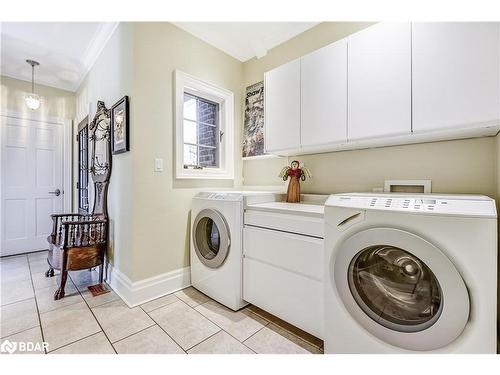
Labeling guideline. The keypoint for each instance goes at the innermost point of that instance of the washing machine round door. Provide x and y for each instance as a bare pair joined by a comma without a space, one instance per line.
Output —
401,288
211,238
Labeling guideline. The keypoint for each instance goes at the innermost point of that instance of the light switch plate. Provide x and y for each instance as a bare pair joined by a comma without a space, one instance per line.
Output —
158,165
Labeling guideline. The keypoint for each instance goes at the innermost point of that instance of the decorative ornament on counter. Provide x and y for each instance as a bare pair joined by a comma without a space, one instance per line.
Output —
296,174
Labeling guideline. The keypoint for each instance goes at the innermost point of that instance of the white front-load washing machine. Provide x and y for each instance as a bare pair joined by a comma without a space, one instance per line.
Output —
216,243
410,273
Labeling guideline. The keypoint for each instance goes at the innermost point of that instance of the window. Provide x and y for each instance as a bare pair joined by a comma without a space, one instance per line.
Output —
83,176
204,129
201,132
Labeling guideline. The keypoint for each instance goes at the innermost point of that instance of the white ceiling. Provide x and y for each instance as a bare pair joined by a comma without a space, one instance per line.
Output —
65,50
244,40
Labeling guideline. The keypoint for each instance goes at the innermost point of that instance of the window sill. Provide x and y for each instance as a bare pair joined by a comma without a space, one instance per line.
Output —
204,176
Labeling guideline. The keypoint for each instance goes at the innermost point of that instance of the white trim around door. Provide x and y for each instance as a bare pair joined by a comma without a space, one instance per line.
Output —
66,171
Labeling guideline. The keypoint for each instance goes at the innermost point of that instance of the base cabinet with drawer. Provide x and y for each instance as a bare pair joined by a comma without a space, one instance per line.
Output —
283,274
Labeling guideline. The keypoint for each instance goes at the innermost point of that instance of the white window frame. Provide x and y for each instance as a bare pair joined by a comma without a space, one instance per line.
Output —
225,98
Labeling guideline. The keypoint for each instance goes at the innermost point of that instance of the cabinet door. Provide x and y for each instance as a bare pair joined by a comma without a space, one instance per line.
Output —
324,95
455,74
282,107
379,81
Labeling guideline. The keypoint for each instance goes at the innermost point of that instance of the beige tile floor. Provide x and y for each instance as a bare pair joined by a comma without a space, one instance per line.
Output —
183,322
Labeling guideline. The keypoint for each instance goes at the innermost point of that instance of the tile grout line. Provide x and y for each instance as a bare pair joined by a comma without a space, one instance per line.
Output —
205,339
253,334
192,308
297,337
21,300
163,329
241,342
24,330
258,315
74,342
156,308
97,320
288,331
36,303
132,334
267,321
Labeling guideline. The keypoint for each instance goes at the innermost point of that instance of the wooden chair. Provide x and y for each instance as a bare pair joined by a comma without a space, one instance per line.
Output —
79,241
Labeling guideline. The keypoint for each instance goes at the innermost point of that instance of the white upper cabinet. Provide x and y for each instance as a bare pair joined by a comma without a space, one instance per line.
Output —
324,96
455,75
379,81
391,83
282,108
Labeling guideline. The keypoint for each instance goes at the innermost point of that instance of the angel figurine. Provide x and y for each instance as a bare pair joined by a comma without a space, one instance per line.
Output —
295,173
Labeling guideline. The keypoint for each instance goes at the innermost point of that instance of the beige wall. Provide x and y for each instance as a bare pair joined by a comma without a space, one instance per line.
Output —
55,102
310,40
111,78
498,167
463,166
162,204
150,211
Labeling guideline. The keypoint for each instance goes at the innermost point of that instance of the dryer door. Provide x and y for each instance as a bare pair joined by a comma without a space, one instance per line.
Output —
401,288
211,238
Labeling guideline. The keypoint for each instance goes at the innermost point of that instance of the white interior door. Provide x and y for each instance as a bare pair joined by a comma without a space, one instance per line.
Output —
31,174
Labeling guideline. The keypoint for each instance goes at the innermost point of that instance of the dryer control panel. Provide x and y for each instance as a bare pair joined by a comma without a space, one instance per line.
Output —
459,205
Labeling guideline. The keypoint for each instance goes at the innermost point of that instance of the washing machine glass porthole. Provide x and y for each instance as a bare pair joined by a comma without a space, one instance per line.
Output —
395,288
211,238
208,236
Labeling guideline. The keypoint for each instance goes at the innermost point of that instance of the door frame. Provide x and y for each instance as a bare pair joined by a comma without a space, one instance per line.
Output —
67,125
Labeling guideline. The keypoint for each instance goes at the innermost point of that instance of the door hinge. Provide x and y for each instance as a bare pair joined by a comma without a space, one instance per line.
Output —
78,137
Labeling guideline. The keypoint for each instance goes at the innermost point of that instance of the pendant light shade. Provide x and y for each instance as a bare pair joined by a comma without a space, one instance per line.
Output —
32,100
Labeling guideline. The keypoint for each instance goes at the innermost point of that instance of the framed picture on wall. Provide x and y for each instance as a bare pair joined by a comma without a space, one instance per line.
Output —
120,126
253,128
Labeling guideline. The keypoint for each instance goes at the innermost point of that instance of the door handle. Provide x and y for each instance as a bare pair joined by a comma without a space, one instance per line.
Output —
56,192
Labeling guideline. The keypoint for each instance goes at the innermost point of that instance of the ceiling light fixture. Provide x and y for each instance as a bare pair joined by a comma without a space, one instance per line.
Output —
32,100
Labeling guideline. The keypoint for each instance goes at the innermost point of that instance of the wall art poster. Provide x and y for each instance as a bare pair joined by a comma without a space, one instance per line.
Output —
253,128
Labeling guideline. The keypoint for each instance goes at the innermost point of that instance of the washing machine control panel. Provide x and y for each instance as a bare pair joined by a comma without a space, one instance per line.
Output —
473,206
405,203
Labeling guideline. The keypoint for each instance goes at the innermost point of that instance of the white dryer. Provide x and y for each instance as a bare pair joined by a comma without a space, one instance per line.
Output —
216,243
410,273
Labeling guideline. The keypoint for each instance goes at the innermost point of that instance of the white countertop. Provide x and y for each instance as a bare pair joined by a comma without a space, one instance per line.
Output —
290,208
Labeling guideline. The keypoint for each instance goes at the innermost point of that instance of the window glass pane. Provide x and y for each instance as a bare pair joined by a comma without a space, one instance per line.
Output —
201,132
207,135
207,238
207,112
190,107
190,132
208,157
190,155
82,165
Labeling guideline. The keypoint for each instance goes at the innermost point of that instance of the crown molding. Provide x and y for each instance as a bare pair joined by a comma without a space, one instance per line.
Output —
101,38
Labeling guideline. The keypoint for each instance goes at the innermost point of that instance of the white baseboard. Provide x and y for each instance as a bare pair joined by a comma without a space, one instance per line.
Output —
135,293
